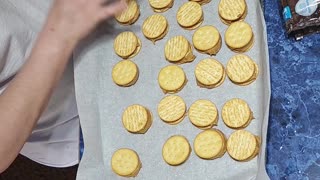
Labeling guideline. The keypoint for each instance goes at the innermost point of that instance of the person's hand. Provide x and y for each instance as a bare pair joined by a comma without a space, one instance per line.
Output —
73,20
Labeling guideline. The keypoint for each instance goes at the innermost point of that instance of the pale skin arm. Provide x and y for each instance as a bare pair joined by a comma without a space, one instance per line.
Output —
27,95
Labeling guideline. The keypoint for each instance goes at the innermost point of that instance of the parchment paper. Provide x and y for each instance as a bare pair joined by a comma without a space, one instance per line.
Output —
101,102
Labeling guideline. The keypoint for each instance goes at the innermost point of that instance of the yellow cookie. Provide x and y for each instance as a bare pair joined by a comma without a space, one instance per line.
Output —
172,79
126,163
207,40
243,145
155,27
176,150
190,15
161,5
172,109
239,37
236,113
202,2
127,45
125,73
209,73
210,144
203,114
130,15
232,10
178,50
137,119
242,70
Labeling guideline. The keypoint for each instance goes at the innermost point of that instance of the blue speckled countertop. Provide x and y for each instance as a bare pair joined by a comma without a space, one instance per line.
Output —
294,124
293,151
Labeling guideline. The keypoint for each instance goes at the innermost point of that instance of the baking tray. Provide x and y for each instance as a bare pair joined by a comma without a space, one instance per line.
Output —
101,102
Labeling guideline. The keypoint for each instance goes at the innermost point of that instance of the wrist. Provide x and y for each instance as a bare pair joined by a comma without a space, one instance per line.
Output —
51,47
52,42
54,38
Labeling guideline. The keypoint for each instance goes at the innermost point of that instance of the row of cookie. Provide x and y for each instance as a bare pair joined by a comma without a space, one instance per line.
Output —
190,14
207,39
211,144
203,114
208,145
209,73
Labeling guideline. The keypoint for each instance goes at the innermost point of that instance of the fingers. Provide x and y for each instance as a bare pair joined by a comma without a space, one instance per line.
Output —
108,2
113,9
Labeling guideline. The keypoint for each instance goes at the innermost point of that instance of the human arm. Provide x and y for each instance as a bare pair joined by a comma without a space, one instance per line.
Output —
27,95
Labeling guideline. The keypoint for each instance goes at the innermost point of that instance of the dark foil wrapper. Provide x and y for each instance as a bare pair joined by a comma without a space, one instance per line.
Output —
302,17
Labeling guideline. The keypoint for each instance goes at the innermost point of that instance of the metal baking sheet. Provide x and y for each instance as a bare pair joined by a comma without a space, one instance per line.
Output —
101,102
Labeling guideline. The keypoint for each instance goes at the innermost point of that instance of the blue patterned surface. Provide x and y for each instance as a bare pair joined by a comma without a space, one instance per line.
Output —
294,125
81,144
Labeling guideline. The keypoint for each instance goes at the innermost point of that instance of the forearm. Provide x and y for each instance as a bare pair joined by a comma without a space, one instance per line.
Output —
22,103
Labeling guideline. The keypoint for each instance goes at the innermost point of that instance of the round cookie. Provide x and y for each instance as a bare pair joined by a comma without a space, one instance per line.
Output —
125,73
155,27
209,73
243,145
190,15
201,2
210,144
178,50
176,150
232,10
130,15
126,163
242,70
137,119
172,109
161,5
236,113
203,114
172,79
239,37
127,45
207,40
254,77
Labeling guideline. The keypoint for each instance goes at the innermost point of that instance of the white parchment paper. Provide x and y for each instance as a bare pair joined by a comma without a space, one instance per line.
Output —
101,102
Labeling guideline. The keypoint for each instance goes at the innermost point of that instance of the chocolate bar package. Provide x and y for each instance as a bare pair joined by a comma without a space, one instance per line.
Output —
302,17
